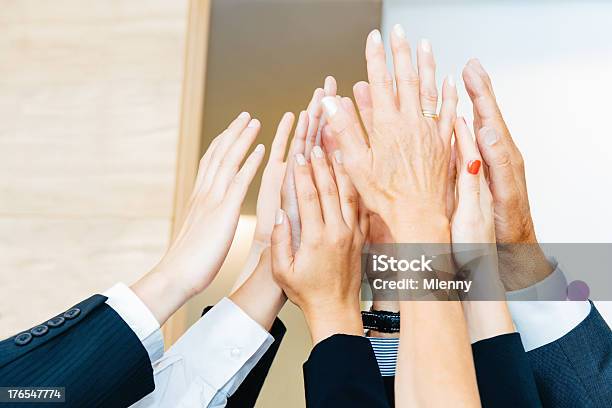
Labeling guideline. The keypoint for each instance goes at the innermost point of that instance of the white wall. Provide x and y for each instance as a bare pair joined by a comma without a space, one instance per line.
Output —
551,65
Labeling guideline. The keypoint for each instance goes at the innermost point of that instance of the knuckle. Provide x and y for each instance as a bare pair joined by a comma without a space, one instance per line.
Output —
384,81
329,190
429,94
502,159
410,78
309,195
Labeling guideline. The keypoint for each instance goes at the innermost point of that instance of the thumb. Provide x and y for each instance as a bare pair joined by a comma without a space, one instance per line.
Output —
282,256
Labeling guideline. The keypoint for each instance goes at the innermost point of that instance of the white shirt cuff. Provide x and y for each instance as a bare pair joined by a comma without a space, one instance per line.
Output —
138,316
220,350
542,322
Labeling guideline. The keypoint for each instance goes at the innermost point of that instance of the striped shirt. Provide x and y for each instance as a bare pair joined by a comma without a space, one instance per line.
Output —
385,350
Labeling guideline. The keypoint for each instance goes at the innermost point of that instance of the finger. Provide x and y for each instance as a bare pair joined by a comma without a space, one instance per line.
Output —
314,117
203,167
448,110
226,139
364,220
468,171
361,91
475,63
230,164
331,86
282,257
328,140
242,180
309,205
498,159
348,134
326,187
279,144
406,77
485,106
349,108
288,193
349,198
427,77
452,182
381,83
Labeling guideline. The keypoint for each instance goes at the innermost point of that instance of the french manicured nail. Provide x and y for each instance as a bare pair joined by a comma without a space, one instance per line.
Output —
280,216
330,105
300,159
260,148
399,31
317,151
473,166
253,123
376,37
489,136
450,80
338,156
244,115
425,45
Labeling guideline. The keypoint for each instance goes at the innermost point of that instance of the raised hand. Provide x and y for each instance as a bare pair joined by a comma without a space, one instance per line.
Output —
307,135
323,276
198,251
522,261
269,197
399,163
474,250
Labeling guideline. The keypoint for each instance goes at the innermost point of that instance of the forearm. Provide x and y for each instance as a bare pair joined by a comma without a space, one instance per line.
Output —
260,298
486,319
161,292
326,320
435,355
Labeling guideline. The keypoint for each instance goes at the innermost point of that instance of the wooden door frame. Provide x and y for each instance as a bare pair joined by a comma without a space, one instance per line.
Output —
190,132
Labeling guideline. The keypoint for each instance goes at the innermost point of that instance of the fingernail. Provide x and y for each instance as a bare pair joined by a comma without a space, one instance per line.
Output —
489,136
330,105
318,153
473,166
399,31
253,123
300,159
244,115
338,156
425,45
280,216
376,37
450,80
260,148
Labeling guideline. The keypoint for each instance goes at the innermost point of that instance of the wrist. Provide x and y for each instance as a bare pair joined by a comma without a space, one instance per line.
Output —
522,265
160,293
417,223
326,320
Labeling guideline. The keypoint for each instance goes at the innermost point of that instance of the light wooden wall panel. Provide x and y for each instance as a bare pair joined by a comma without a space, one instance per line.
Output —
89,116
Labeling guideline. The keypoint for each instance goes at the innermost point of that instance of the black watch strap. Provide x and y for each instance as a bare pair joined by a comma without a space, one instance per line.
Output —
381,321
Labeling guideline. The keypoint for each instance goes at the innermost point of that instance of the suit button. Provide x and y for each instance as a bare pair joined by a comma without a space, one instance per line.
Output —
23,339
72,313
56,321
39,330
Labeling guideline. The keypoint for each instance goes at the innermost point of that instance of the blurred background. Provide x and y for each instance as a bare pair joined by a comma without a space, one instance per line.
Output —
106,105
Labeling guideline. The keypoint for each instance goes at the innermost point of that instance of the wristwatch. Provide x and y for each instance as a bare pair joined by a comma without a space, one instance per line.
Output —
381,321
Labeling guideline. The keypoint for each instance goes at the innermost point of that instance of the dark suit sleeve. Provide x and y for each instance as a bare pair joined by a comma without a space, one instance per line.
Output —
247,393
504,375
576,370
342,372
89,350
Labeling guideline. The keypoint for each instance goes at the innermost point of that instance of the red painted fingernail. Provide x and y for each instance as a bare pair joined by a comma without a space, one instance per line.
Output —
473,166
